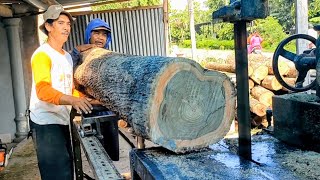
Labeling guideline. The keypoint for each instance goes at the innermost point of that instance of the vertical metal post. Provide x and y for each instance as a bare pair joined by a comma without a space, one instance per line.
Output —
243,109
140,142
318,64
77,160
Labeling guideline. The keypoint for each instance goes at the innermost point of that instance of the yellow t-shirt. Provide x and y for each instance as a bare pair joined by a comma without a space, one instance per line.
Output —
52,76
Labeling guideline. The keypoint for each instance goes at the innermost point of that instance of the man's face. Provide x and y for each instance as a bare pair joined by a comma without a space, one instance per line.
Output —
60,28
99,37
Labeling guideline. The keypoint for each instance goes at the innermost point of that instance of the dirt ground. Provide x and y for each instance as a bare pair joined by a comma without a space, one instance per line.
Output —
23,162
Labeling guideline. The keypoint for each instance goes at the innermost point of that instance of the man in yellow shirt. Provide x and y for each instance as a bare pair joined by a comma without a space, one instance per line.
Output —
52,99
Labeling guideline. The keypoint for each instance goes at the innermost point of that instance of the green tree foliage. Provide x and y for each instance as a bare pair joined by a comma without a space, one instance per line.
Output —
127,4
283,11
314,11
271,32
214,5
314,8
179,25
224,31
179,22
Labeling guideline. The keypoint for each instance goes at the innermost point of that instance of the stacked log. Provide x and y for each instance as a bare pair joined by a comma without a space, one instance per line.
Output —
257,107
259,73
262,82
270,82
263,95
231,68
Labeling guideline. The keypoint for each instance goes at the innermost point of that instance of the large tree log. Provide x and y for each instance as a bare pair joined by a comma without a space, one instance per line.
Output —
173,102
252,58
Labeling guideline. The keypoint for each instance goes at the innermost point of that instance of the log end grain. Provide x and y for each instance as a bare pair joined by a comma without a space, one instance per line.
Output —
191,108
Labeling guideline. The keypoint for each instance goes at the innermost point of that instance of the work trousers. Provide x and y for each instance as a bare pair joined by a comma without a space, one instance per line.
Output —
54,151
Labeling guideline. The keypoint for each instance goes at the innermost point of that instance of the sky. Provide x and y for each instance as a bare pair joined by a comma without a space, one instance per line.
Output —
181,4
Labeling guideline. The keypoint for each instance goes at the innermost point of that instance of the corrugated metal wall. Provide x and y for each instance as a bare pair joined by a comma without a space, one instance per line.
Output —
136,32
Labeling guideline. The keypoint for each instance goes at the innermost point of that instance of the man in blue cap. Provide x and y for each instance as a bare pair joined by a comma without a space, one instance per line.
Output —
97,34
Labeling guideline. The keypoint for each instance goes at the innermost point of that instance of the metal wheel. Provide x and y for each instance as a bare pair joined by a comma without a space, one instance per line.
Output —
280,51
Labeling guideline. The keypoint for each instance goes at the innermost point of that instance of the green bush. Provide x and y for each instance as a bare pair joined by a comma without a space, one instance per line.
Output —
210,44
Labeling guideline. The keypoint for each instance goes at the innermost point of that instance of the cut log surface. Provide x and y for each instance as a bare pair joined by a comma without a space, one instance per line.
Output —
290,82
262,94
173,102
283,68
292,73
270,82
258,121
220,67
259,73
257,107
251,84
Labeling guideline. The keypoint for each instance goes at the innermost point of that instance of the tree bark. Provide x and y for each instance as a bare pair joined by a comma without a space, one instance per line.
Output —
173,102
230,68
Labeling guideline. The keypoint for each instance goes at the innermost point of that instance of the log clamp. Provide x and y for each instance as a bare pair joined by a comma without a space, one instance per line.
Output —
91,123
89,134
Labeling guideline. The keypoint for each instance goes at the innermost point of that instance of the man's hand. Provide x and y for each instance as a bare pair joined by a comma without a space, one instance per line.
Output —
85,47
80,104
94,101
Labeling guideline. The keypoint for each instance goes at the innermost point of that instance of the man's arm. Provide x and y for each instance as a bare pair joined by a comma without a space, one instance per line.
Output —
41,68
